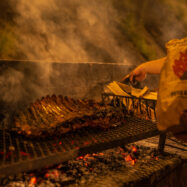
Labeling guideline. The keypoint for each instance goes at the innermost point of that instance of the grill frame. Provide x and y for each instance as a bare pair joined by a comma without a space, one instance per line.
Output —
116,100
69,146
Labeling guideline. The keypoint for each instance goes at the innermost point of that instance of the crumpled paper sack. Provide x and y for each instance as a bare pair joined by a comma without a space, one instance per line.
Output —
172,95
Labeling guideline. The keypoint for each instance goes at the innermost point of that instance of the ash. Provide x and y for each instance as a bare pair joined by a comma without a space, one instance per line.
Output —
94,169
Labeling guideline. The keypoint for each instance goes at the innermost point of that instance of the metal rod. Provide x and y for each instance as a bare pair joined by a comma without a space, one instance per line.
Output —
161,144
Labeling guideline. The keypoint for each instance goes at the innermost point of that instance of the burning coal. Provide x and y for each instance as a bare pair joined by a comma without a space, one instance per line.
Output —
88,168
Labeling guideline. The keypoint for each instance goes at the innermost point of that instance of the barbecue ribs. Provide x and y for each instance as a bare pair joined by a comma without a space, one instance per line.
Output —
53,115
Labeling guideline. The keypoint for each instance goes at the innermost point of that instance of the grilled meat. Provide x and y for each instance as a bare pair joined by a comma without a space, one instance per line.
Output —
53,115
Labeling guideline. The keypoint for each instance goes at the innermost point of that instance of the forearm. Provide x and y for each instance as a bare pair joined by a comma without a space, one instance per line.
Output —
154,66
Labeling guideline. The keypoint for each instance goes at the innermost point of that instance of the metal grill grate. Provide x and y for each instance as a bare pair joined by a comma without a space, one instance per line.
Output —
117,101
18,154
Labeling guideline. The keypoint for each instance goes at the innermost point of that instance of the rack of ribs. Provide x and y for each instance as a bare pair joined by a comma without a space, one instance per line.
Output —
53,115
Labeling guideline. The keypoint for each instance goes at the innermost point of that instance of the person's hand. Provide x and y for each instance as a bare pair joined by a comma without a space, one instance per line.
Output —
138,74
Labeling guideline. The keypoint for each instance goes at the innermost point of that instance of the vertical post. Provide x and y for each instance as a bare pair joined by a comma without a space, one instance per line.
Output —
154,108
102,98
161,144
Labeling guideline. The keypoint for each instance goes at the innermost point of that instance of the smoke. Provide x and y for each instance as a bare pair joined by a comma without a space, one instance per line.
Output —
76,31
22,82
12,85
97,31
60,31
68,31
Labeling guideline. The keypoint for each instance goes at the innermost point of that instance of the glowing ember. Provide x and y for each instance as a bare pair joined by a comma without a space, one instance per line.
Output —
101,154
79,158
46,175
55,173
86,164
33,180
90,165
87,155
134,149
90,158
133,162
94,154
128,158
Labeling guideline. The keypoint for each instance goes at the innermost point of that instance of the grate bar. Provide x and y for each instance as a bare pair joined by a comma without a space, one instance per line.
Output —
36,154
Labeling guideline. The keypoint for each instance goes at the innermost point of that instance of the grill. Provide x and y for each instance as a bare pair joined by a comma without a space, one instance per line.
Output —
19,154
117,101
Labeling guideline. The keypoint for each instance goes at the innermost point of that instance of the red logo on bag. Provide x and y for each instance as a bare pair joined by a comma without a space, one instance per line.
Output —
180,66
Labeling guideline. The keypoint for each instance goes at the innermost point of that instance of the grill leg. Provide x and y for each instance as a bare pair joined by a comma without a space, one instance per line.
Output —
161,143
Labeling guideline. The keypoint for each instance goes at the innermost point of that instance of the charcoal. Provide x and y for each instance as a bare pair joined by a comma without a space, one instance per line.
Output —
108,168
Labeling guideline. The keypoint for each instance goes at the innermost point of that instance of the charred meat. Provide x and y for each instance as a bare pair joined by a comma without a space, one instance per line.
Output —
53,115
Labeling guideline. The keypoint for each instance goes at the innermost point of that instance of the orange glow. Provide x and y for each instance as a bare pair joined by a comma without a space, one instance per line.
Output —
156,158
94,154
134,149
46,175
33,180
133,162
128,158
124,154
90,158
101,154
55,173
86,164
87,155
80,157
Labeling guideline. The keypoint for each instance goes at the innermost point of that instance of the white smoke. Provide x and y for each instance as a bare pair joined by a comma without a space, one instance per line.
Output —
68,31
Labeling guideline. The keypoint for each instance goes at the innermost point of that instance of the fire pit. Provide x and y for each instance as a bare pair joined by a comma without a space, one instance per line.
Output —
87,157
30,154
128,165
